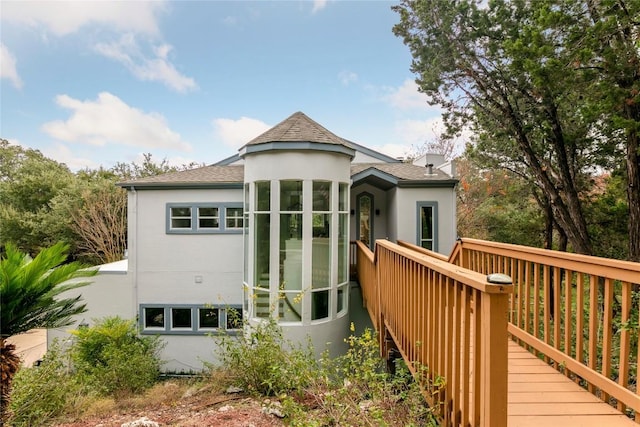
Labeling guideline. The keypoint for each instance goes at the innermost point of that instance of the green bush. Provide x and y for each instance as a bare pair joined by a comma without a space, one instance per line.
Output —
263,362
353,389
113,359
43,392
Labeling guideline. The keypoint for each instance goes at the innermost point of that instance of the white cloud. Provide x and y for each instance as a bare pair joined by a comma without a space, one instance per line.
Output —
66,17
108,120
127,51
63,154
318,5
347,77
236,133
8,67
407,97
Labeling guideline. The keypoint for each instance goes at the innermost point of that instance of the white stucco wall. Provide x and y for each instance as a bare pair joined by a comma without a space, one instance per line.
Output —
185,268
380,222
109,294
407,199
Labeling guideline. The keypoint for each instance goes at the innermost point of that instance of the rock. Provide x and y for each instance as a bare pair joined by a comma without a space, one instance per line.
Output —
225,408
273,408
142,422
233,390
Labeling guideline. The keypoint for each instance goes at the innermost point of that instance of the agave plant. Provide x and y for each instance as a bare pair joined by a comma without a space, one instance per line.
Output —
30,297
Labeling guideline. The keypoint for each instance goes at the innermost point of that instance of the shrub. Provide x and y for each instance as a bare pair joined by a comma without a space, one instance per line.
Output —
262,361
113,359
43,392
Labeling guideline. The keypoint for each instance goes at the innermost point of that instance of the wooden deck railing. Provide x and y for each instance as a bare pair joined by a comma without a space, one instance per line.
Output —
579,313
447,322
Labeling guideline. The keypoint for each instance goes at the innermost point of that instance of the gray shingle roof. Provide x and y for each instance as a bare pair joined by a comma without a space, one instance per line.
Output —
298,128
203,175
213,175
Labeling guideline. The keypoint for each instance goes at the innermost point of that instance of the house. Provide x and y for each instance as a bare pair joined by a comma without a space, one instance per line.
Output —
267,232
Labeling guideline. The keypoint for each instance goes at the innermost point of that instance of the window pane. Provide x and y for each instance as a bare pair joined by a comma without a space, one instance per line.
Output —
291,251
343,197
246,197
208,217
342,295
426,217
343,246
209,317
154,317
262,250
290,306
233,217
364,216
263,196
181,217
261,304
321,252
181,318
321,196
180,223
234,318
181,212
320,305
291,196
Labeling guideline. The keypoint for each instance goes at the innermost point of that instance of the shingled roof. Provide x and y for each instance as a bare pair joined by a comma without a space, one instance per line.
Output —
298,127
199,177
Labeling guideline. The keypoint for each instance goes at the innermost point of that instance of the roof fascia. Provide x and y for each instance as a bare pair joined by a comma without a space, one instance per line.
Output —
372,153
374,172
229,160
296,146
181,185
432,183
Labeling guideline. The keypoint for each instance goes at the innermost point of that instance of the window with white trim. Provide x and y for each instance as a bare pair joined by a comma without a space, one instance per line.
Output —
204,218
189,319
427,235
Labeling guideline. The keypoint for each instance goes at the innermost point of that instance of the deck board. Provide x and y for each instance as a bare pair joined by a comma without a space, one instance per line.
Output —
541,396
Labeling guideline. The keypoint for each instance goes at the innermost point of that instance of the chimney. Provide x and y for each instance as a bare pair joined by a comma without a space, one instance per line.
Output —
429,167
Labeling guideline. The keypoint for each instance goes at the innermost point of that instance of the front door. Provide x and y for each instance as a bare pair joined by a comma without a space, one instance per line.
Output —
364,216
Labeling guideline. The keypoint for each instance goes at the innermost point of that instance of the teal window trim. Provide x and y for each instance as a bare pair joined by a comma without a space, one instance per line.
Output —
434,212
194,229
195,328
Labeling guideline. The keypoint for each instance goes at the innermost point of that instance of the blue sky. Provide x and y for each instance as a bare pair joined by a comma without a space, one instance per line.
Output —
95,83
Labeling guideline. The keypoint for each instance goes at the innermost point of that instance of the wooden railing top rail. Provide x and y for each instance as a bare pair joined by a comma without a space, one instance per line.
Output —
470,278
603,267
423,250
365,250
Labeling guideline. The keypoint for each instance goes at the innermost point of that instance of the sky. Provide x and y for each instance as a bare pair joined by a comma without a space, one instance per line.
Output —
94,83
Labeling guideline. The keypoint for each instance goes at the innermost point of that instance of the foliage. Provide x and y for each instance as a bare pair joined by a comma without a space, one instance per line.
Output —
30,288
352,389
43,392
113,359
262,361
543,87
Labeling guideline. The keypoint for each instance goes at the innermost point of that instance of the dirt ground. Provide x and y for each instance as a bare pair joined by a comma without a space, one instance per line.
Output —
198,411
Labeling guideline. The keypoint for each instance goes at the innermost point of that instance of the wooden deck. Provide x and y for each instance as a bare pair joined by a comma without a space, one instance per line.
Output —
541,396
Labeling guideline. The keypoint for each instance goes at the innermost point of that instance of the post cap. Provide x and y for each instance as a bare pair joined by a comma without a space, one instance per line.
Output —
499,279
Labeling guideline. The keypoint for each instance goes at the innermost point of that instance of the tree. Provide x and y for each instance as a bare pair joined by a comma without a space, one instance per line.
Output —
29,298
541,84
28,183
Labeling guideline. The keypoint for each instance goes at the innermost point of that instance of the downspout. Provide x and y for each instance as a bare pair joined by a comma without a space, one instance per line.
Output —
134,265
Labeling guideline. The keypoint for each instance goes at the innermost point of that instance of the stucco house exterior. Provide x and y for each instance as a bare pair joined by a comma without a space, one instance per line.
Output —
266,232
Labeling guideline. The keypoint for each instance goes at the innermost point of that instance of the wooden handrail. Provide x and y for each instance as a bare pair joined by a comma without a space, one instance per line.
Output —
573,310
445,319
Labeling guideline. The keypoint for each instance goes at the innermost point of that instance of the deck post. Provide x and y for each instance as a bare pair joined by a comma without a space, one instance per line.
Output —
494,344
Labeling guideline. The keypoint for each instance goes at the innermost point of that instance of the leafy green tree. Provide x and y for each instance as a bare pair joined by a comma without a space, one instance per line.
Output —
29,298
550,88
28,182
